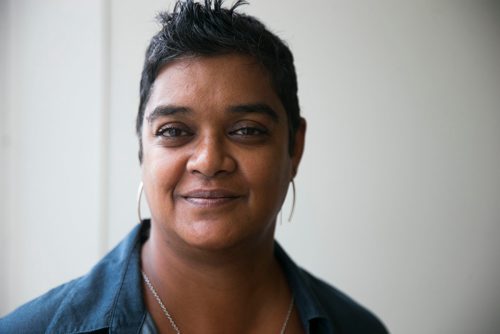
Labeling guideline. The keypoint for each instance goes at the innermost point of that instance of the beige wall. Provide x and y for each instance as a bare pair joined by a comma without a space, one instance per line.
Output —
4,24
53,113
399,192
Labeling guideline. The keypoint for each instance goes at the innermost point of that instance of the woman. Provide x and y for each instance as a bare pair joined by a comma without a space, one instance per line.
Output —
221,140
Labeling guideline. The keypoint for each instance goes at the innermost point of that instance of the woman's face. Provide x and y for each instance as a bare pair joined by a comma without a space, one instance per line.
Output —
216,165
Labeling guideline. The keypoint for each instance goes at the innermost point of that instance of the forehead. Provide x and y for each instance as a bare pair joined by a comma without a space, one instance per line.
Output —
213,82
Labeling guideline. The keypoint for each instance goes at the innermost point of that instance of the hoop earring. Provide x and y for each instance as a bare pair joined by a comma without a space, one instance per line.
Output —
139,196
293,202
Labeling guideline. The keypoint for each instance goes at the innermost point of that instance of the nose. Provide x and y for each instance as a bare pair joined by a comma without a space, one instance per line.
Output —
211,157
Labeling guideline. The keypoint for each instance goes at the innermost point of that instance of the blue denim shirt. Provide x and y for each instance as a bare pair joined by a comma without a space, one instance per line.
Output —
109,299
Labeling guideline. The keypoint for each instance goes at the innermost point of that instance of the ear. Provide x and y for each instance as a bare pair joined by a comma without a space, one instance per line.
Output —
300,136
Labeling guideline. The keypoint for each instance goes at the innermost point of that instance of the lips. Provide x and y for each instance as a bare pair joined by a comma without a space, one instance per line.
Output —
210,197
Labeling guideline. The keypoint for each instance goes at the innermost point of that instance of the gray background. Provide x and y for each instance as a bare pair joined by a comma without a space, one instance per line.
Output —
398,195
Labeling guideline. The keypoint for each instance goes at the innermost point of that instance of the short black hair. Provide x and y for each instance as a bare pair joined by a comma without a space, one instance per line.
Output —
208,29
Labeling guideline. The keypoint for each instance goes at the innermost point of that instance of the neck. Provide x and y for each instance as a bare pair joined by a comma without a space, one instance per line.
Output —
246,265
201,287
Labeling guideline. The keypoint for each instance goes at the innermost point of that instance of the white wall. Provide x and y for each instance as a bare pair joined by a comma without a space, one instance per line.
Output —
398,196
4,24
53,113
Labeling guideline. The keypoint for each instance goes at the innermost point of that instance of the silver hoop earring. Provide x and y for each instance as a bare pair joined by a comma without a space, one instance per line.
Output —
139,196
293,202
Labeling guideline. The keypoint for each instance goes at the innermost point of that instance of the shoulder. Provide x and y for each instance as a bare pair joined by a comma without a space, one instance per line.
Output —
345,314
81,305
84,304
38,313
322,307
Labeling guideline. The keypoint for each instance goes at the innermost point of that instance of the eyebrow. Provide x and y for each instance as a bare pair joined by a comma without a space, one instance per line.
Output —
165,111
170,110
261,108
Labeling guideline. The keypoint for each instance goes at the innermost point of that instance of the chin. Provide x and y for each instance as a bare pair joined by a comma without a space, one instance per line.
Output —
219,236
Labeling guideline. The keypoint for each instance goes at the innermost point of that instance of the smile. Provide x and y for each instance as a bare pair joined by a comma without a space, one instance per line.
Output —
209,198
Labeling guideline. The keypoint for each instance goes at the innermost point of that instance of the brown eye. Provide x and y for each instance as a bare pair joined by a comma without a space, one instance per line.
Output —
172,131
249,131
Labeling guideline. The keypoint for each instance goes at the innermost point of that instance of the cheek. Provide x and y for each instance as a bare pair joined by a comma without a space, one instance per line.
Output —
161,173
269,175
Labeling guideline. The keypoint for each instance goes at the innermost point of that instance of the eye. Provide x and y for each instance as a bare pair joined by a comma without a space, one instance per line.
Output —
249,131
173,131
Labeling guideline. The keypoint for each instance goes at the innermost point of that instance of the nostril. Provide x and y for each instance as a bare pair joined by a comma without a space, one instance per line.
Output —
211,159
212,168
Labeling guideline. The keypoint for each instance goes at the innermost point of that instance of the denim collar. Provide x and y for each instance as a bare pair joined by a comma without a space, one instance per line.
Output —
306,302
114,299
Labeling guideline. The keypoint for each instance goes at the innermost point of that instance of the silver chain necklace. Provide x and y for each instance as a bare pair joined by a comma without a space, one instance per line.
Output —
174,325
